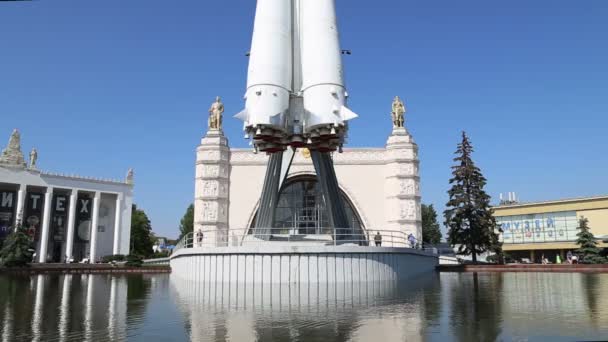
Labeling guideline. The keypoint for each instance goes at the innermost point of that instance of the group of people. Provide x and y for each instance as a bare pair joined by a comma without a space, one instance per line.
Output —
410,238
570,259
377,239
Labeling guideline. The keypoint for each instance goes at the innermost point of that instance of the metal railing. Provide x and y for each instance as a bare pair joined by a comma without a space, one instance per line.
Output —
334,237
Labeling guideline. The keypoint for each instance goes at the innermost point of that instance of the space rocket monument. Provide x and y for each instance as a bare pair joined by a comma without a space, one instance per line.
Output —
296,98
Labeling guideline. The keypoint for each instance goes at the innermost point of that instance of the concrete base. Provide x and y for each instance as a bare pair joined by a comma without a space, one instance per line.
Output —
269,264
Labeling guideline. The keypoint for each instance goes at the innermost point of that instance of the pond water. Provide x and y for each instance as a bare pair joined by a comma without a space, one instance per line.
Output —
435,307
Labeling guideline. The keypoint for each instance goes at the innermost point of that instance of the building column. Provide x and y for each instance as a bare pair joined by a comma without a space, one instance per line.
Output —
20,204
94,224
46,223
532,255
117,216
69,248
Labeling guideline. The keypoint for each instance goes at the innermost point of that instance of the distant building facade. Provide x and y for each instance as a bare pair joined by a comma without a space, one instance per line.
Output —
68,217
549,228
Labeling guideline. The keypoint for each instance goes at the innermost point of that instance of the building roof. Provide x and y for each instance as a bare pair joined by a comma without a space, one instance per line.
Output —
12,158
559,201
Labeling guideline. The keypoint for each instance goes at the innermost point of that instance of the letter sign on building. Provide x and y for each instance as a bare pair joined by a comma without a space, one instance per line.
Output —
33,214
7,212
59,218
83,219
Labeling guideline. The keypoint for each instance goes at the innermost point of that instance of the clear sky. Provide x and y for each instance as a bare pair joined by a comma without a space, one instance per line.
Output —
101,86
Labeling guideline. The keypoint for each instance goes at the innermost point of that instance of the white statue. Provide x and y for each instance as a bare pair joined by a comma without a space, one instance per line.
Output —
398,113
130,176
11,155
33,158
215,114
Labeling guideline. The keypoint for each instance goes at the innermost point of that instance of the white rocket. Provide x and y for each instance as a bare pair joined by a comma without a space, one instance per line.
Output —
295,85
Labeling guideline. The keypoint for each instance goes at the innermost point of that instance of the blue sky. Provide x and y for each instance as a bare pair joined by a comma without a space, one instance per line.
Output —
101,86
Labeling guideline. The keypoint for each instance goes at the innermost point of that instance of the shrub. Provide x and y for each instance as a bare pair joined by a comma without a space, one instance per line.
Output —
134,260
494,258
158,255
17,249
115,257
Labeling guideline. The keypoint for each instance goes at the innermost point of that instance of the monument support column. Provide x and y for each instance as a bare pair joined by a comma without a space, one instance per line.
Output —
20,204
402,185
117,215
212,188
46,223
69,248
94,224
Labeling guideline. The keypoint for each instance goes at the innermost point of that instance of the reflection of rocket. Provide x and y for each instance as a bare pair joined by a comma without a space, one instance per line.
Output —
295,88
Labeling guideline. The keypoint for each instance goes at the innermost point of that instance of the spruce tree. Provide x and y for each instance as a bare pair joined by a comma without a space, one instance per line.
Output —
186,225
471,225
588,245
17,250
142,238
431,234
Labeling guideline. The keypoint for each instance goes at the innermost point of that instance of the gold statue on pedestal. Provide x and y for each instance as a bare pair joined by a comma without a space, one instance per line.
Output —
398,113
215,114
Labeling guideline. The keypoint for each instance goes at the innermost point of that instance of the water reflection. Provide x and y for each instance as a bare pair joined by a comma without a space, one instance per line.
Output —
437,307
69,307
290,312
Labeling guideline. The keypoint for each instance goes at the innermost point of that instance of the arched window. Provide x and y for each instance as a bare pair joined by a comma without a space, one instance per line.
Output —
301,209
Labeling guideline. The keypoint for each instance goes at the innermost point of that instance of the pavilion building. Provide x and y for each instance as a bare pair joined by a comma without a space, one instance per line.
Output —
549,228
69,218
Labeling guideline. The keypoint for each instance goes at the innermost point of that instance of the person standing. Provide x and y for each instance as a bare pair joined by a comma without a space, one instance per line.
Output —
412,239
378,239
199,238
569,257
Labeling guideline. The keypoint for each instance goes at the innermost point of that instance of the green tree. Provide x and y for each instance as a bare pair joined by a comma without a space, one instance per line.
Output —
142,238
471,225
17,249
431,233
186,225
588,244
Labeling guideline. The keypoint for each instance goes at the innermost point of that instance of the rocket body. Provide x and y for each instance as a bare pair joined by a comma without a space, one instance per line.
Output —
295,85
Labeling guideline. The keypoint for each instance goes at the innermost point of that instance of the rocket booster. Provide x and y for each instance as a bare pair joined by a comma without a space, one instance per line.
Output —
295,85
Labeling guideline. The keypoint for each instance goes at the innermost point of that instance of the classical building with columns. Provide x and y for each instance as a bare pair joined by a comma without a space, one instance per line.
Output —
380,187
68,217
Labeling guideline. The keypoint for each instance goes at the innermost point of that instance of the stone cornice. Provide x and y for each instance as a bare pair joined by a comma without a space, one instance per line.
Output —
83,178
356,156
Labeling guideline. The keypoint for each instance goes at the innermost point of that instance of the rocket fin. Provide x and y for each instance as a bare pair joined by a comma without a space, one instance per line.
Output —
347,114
243,115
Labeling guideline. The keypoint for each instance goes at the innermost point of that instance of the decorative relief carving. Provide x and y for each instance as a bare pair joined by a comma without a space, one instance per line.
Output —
359,156
407,210
211,155
211,171
407,169
362,156
210,211
210,188
400,154
409,187
247,157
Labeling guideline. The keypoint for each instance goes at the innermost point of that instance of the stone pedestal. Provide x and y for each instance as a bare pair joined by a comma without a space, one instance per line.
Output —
212,187
402,184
